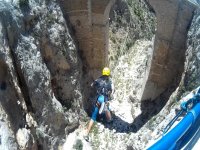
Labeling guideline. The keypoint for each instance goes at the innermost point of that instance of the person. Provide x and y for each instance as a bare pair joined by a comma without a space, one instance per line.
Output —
104,88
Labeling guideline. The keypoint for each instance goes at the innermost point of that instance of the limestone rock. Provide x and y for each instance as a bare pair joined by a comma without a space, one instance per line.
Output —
40,72
7,138
24,139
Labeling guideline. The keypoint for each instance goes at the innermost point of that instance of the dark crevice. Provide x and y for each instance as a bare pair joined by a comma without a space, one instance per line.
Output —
54,71
85,79
149,109
3,76
3,85
12,35
149,6
22,84
24,89
17,120
55,89
21,80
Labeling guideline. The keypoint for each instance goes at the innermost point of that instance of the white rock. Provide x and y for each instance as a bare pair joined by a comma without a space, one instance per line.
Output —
24,138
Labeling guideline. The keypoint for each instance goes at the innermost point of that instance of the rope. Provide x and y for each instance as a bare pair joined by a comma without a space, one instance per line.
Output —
172,121
194,101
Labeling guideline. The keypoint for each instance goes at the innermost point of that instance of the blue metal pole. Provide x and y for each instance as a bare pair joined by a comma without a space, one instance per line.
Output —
169,140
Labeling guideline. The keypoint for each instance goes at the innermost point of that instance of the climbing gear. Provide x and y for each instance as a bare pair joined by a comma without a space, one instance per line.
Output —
184,135
106,71
102,108
104,87
100,103
177,138
103,84
172,122
100,99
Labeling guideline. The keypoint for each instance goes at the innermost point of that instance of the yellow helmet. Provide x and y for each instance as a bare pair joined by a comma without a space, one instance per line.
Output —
106,71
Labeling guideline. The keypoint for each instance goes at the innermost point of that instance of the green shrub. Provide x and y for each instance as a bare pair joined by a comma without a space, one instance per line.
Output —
95,130
78,145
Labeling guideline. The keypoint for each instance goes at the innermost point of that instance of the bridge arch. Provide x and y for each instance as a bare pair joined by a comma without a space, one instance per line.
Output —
90,22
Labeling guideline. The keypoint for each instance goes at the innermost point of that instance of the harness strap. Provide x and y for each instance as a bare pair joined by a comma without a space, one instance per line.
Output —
98,104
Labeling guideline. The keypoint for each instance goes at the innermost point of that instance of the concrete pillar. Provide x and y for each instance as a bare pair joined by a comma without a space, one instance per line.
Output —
89,19
167,61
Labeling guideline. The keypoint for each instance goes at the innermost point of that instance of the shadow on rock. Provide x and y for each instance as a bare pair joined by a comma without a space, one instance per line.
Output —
148,108
118,125
151,108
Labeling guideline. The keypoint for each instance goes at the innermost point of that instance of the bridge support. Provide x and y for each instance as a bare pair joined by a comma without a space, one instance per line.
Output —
90,22
167,63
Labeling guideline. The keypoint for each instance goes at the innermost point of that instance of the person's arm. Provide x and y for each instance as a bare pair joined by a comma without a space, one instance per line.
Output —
95,83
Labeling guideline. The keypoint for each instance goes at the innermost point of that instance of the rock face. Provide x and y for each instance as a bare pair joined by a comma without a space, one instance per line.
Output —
123,132
191,80
153,129
7,136
24,139
129,21
41,77
39,74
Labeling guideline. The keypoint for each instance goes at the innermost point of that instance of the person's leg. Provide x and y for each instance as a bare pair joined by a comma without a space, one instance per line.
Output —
89,126
108,114
92,120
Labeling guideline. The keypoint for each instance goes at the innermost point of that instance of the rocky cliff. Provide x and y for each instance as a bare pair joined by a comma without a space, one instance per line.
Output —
40,76
189,81
129,21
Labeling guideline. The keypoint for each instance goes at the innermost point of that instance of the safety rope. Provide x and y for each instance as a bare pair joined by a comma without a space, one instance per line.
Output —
184,108
172,121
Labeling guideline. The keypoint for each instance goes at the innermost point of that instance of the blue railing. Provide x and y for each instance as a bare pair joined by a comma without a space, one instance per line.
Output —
169,141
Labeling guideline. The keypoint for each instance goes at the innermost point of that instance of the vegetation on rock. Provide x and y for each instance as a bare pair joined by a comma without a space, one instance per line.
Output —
23,3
